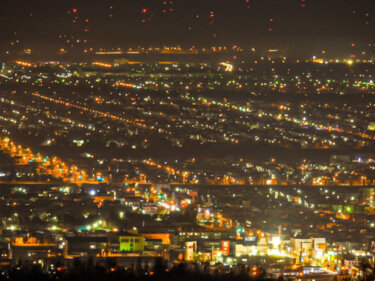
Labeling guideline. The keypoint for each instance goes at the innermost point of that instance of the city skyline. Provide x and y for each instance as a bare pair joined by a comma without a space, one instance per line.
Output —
183,139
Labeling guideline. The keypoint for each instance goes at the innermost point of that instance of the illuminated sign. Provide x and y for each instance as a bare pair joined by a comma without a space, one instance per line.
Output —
190,250
225,247
250,240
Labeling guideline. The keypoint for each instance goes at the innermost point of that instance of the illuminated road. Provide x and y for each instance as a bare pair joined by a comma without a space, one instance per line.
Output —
136,122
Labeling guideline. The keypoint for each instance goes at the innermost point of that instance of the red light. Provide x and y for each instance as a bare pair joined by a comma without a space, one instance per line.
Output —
75,10
145,11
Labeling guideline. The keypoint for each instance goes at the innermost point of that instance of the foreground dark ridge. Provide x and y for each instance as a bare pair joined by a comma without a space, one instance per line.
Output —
109,270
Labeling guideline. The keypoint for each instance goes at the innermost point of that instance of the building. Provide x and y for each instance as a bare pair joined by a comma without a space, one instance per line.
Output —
131,243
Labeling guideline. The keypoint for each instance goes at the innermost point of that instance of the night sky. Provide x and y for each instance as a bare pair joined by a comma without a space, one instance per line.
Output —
298,24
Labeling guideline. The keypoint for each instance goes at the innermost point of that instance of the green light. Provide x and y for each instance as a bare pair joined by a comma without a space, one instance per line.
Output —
239,230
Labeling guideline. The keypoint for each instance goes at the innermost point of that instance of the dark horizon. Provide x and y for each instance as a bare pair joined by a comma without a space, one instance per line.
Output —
320,25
